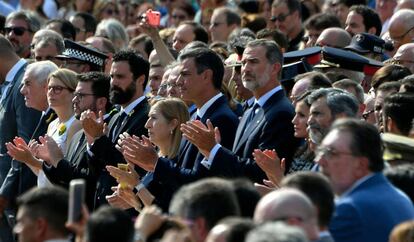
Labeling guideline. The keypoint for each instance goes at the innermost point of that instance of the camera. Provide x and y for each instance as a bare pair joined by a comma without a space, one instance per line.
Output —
153,17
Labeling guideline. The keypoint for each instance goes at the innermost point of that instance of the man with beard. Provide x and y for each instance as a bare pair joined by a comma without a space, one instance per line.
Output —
266,125
328,105
19,30
129,76
92,93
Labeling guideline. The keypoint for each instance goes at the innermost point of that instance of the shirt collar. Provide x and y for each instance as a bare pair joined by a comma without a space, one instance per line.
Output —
250,101
128,109
357,184
13,71
263,99
206,106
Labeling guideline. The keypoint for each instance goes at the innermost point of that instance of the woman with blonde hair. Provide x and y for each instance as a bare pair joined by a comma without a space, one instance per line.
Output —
165,118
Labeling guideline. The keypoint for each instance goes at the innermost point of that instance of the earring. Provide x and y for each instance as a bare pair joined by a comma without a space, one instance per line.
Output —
172,132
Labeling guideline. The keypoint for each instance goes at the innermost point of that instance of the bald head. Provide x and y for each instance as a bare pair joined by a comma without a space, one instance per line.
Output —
291,206
404,56
334,37
404,4
401,28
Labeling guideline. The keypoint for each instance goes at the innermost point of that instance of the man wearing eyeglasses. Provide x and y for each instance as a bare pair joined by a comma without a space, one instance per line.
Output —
222,23
286,16
19,30
367,205
401,28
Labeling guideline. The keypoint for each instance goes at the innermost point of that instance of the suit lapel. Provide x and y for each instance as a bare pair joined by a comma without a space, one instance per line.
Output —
14,82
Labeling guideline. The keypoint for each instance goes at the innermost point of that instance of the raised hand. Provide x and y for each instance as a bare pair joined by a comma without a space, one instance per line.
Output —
271,164
141,152
49,150
202,136
149,221
94,127
116,201
19,150
129,197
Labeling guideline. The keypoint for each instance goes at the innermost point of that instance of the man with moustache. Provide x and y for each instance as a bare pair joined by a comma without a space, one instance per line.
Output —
129,77
19,30
92,93
328,105
266,125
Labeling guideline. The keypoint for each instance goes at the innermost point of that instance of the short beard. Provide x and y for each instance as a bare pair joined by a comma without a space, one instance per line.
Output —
119,96
316,133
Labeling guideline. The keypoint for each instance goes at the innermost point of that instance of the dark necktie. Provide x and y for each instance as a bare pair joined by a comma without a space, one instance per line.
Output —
252,114
121,119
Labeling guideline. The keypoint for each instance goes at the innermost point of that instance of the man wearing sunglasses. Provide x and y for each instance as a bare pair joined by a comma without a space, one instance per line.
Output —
19,30
286,16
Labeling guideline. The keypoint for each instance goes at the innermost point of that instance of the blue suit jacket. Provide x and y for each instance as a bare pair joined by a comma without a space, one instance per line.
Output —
370,211
187,167
272,129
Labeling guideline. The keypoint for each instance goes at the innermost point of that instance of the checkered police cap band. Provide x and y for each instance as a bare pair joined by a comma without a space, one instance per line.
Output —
84,56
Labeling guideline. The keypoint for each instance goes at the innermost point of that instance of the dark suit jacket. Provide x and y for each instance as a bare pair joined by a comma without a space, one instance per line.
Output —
186,169
272,129
20,177
369,212
105,152
15,120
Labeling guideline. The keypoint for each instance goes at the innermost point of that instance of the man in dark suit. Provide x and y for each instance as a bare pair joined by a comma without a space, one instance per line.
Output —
368,206
92,93
20,178
267,125
199,81
129,76
14,117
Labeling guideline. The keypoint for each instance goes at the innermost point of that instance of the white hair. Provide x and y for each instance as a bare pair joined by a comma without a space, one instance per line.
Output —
41,70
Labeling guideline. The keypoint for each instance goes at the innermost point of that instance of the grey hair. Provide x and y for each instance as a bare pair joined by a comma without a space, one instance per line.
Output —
273,53
41,70
113,30
276,232
338,101
33,22
51,39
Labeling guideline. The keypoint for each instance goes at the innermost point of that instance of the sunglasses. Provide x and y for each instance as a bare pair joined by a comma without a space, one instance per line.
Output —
19,31
280,18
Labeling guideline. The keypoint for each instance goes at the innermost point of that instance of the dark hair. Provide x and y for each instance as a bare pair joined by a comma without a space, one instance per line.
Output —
206,59
348,83
89,20
2,23
369,16
365,141
389,73
247,196
399,107
402,176
50,203
350,3
137,64
279,37
210,198
199,31
186,7
148,45
109,224
100,84
232,17
237,228
66,28
389,86
318,188
408,83
32,21
292,5
322,21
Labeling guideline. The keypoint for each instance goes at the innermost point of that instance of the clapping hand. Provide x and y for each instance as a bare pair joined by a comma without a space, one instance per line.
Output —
130,177
139,151
94,127
202,136
19,150
271,164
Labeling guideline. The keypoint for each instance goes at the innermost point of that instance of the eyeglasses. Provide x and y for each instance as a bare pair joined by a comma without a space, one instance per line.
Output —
398,61
111,12
19,31
366,114
329,153
280,18
172,85
80,95
399,38
56,89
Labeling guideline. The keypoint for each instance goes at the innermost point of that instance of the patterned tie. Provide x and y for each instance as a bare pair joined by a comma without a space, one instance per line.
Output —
118,125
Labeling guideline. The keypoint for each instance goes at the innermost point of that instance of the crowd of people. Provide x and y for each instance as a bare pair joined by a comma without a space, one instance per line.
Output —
210,120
